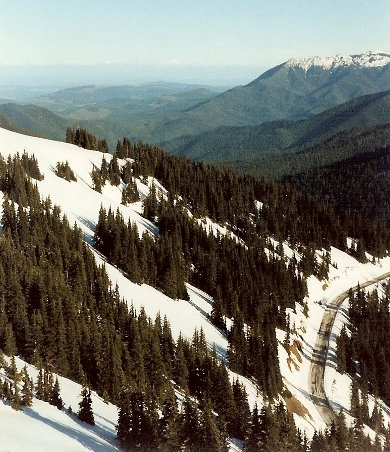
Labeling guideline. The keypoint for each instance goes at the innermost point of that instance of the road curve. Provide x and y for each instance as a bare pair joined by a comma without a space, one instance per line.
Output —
320,352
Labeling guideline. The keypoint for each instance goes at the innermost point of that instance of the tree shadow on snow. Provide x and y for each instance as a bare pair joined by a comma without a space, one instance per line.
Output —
95,444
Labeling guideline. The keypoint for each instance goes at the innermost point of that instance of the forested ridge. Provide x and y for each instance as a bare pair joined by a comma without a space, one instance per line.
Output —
60,312
330,171
339,147
337,184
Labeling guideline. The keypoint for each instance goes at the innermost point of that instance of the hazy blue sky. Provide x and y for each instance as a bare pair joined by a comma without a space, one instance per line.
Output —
173,37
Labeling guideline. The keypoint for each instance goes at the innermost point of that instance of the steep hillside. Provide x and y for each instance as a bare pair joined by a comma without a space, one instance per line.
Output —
341,146
230,269
42,122
6,123
329,171
336,183
39,121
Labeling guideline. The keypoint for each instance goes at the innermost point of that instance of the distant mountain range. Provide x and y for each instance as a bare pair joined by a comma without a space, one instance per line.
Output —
125,102
295,89
177,115
229,143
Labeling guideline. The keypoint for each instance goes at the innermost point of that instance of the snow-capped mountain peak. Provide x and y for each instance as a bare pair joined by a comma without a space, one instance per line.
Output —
368,59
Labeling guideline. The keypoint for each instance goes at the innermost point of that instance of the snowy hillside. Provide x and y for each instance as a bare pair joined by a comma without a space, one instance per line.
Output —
365,60
81,204
43,426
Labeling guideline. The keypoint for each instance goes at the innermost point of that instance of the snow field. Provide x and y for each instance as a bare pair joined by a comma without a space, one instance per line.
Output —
81,205
44,427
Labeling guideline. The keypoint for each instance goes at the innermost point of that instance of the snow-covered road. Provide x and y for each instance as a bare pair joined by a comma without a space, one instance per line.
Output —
320,358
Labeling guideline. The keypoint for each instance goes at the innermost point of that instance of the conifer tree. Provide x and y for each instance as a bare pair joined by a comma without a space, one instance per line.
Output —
16,400
318,442
85,413
27,390
6,391
376,419
342,343
169,434
55,398
237,346
97,182
239,424
130,193
64,170
211,436
39,387
137,422
12,371
341,432
191,432
254,441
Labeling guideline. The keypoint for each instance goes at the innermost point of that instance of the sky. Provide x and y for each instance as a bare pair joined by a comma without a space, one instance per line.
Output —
220,41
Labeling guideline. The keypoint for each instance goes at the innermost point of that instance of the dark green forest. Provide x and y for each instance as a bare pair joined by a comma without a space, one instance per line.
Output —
360,183
59,311
363,348
341,146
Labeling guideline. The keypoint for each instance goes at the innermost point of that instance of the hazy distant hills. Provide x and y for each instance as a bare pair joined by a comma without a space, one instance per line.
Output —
235,123
226,143
125,102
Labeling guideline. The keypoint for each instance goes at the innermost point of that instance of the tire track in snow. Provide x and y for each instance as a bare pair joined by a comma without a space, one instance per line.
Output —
320,353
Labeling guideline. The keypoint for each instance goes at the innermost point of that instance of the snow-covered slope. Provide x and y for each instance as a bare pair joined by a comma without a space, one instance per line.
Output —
81,204
44,427
368,60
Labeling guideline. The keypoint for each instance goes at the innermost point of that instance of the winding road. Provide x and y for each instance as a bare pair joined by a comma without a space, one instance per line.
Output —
320,352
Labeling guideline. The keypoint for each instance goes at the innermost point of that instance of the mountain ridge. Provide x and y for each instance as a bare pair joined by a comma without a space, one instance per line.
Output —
282,92
283,136
366,59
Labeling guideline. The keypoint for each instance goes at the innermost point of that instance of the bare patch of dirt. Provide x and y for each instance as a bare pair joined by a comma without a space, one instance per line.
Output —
295,406
292,362
296,349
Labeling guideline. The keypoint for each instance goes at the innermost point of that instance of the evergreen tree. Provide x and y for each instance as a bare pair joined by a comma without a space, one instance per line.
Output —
342,344
254,441
55,398
39,387
341,432
130,193
6,391
211,436
239,424
16,400
64,170
85,413
27,390
191,431
169,434
137,422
